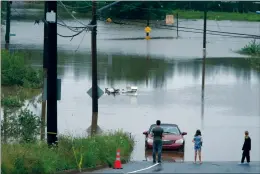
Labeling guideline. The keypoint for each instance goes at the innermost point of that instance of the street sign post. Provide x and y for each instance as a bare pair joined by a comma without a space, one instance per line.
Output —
100,92
12,34
58,89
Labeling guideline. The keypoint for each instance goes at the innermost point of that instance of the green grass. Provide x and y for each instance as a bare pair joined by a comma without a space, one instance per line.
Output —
76,153
15,71
252,49
188,14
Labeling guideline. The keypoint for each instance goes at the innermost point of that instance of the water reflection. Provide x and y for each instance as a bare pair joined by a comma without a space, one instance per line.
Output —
138,70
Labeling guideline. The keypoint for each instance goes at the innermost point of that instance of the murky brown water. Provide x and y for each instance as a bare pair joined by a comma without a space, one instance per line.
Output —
169,87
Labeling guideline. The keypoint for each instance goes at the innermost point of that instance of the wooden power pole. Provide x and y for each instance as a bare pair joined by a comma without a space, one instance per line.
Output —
45,67
94,70
52,127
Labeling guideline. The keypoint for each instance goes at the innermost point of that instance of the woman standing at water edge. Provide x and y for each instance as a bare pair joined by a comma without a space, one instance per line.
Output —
197,140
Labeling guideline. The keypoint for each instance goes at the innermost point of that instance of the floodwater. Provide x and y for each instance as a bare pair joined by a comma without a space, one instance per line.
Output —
168,77
189,45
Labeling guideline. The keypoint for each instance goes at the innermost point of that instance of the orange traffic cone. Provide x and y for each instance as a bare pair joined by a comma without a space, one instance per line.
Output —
117,164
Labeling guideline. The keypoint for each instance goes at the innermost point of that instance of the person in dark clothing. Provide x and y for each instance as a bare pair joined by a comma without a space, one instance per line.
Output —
157,141
246,148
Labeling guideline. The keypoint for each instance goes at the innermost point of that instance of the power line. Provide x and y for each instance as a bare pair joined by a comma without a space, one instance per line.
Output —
74,29
212,32
73,15
81,42
168,11
72,36
83,7
71,28
242,34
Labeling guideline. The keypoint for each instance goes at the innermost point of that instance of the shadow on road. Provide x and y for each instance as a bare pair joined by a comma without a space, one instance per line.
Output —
167,156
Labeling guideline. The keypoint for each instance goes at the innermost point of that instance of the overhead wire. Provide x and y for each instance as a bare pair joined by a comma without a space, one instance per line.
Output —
63,24
163,10
83,7
73,15
81,42
212,32
71,28
242,34
74,29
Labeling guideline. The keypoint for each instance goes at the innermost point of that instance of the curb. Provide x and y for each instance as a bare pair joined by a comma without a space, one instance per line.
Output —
76,171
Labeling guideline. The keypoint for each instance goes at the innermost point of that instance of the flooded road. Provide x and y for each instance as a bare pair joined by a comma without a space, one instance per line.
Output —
189,45
169,90
168,78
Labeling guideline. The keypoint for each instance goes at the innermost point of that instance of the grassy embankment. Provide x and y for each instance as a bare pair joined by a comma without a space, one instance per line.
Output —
77,153
252,49
22,152
188,14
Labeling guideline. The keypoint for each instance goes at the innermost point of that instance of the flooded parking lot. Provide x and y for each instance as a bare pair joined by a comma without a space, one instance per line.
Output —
168,78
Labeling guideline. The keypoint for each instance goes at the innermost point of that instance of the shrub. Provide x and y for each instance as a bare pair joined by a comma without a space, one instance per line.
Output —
253,48
71,153
22,126
15,71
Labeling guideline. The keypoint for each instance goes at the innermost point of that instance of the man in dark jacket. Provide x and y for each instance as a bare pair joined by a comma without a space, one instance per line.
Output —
246,148
157,141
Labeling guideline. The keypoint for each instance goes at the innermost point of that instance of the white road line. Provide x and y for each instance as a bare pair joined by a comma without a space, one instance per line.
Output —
144,168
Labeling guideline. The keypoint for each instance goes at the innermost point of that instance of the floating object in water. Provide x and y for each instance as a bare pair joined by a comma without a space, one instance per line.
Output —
112,91
132,89
129,90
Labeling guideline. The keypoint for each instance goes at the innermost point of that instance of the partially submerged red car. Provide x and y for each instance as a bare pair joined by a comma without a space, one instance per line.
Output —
173,138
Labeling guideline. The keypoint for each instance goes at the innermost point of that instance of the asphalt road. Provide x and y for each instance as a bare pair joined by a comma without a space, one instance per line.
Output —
186,167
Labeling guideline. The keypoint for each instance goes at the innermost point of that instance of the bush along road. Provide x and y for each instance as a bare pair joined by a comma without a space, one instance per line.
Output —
72,154
22,152
252,49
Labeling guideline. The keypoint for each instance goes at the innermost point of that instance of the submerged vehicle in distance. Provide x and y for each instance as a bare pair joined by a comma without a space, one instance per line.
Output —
130,89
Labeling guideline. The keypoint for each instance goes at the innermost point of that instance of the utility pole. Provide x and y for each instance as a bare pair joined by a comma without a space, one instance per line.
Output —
147,24
203,64
45,57
51,18
148,21
94,70
204,45
177,16
7,25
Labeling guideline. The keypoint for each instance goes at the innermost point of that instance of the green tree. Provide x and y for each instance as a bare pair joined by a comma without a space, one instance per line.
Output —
139,9
15,71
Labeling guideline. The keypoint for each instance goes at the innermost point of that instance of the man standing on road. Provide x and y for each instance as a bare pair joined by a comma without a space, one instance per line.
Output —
157,141
246,148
